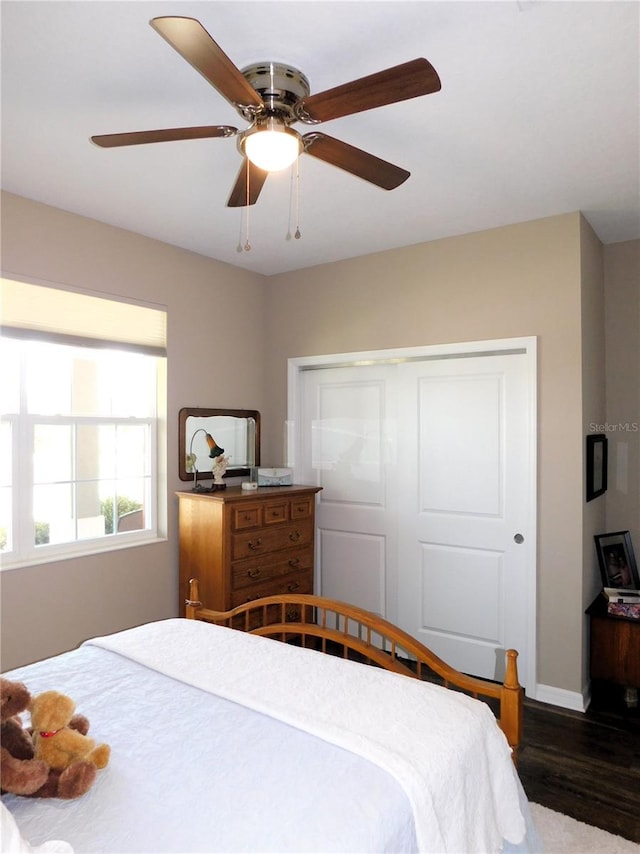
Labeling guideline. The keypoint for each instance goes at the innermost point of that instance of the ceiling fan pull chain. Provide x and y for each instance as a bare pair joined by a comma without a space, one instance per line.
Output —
247,245
239,246
295,181
297,235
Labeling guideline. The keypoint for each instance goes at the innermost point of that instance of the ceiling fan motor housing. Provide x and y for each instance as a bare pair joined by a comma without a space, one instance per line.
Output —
281,87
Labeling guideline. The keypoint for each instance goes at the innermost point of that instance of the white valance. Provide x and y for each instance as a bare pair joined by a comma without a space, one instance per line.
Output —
51,313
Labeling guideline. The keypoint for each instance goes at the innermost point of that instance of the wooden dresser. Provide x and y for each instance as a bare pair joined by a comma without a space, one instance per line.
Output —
242,545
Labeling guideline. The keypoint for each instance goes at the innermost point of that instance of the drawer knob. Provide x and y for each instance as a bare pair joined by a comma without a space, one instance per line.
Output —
255,572
293,586
294,536
294,562
254,544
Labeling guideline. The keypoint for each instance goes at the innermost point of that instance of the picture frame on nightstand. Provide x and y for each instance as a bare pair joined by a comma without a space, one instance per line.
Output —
617,561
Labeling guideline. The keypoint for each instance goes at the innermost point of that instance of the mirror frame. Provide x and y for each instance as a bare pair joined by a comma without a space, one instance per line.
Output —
184,440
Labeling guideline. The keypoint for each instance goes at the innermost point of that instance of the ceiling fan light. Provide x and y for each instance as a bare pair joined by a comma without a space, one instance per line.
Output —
273,147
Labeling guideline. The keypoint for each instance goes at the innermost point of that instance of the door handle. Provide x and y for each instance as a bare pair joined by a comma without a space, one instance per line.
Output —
519,539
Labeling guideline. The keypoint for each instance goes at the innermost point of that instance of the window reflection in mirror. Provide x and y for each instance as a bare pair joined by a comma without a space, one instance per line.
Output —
206,434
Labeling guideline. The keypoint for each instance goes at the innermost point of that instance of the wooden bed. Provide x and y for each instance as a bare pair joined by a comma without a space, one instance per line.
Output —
277,747
338,628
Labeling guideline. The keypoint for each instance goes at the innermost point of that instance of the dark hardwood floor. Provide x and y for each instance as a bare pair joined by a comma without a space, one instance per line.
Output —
585,765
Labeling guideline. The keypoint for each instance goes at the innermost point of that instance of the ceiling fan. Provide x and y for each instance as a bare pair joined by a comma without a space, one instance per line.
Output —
272,97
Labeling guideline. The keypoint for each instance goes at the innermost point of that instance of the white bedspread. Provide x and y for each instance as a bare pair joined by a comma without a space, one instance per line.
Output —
444,748
194,772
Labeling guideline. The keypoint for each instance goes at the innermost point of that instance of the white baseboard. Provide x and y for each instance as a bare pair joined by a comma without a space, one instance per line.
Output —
566,699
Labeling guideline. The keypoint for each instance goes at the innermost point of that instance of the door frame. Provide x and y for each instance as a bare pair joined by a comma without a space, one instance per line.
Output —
523,346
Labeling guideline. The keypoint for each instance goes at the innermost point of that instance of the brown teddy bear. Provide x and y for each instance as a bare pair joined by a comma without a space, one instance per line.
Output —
21,773
55,741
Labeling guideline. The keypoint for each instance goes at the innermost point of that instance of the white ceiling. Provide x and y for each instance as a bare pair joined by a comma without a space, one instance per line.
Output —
538,115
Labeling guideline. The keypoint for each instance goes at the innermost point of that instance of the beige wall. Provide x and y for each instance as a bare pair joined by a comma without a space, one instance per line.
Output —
593,408
622,313
539,278
53,607
516,281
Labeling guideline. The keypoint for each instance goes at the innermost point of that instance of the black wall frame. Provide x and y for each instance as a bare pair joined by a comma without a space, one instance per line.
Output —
596,465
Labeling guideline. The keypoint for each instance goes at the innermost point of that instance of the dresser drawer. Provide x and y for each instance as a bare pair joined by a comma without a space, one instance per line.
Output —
276,511
301,508
247,516
299,582
245,573
271,539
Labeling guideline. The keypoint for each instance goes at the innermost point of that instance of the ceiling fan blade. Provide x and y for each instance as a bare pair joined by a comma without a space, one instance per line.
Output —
256,177
354,160
194,44
400,83
113,140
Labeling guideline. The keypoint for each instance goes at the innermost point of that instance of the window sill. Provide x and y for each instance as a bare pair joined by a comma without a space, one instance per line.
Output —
6,563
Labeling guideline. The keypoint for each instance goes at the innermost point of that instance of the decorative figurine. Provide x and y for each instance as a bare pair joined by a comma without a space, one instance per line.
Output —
219,468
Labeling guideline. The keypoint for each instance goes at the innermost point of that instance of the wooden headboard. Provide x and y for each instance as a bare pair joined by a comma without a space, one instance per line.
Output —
338,628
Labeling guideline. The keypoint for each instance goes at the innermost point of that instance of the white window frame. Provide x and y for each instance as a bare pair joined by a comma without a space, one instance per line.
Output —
24,552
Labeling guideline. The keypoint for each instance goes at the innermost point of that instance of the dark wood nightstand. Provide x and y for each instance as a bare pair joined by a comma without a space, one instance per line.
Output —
615,649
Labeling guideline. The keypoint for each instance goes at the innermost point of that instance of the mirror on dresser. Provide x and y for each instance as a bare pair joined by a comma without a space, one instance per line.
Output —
204,435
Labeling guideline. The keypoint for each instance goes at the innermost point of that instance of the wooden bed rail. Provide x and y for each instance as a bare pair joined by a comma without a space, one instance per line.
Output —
359,634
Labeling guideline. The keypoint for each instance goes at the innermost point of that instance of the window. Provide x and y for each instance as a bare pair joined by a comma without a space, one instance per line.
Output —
78,441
